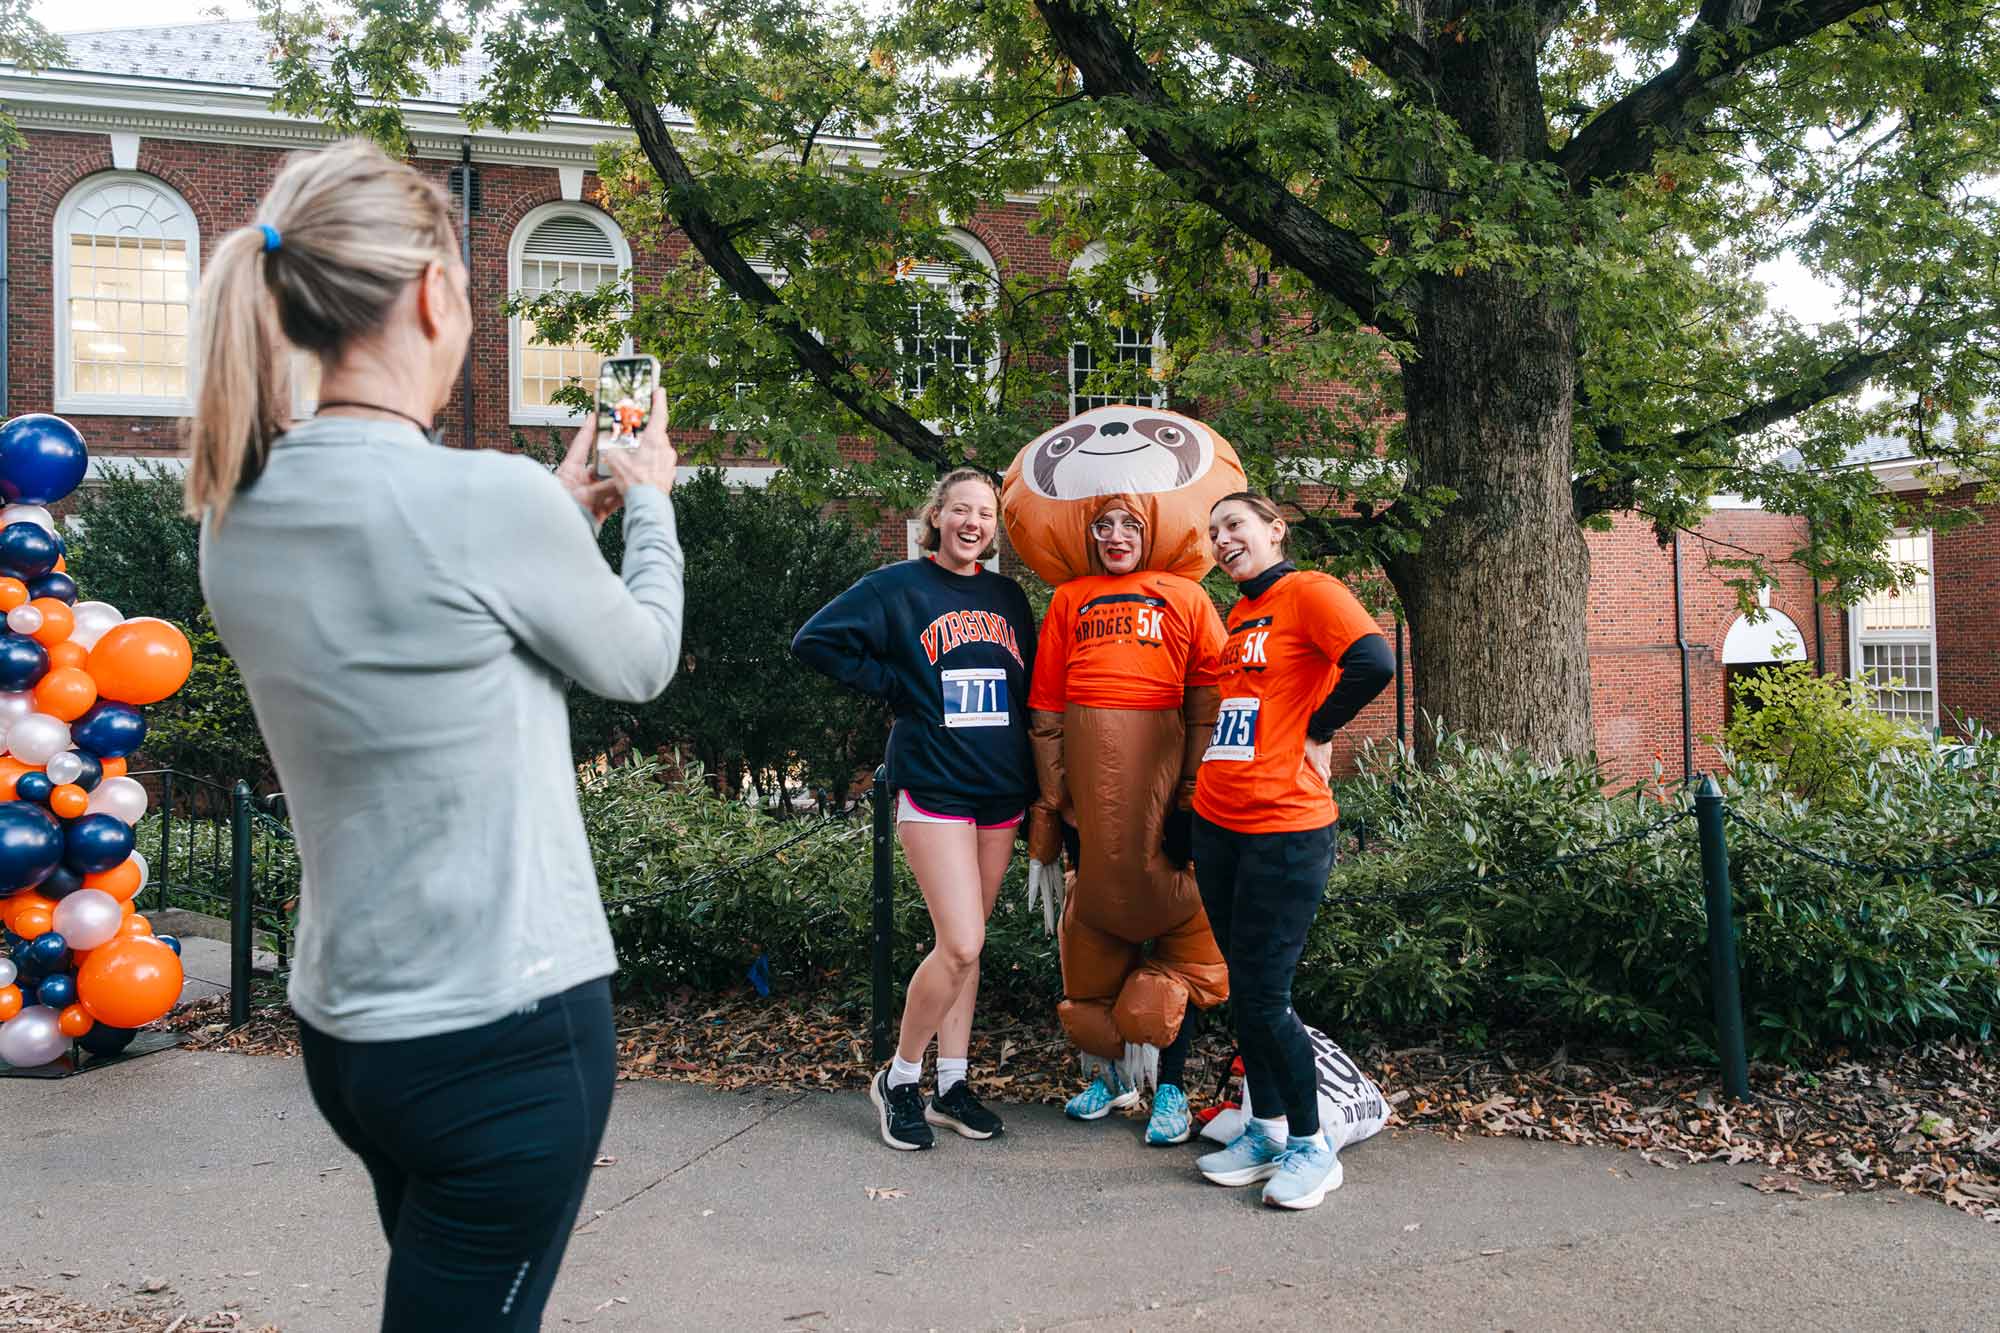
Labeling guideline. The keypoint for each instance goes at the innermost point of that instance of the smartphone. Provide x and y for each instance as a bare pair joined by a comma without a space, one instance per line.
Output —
625,386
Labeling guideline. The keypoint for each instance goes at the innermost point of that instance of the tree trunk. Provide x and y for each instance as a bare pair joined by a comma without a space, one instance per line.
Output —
1497,596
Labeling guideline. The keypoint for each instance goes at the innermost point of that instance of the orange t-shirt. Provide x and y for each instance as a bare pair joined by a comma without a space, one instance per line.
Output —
1279,664
1127,641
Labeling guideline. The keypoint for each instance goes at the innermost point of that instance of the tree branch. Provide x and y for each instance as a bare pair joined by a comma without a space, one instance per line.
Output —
1335,260
1726,36
712,240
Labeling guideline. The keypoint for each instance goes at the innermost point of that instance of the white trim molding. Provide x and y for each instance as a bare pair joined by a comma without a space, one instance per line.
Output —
124,150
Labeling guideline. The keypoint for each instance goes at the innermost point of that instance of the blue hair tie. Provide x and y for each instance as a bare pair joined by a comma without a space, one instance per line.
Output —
271,238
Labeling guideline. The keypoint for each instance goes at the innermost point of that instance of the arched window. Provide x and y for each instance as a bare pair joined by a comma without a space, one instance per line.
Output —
936,335
557,247
127,252
1130,345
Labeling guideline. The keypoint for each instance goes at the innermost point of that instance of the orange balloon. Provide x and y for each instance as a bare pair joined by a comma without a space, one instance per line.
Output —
14,904
70,653
10,1002
32,922
114,768
13,593
62,566
135,925
121,881
141,661
125,909
77,958
11,770
130,981
75,1021
58,621
69,800
66,693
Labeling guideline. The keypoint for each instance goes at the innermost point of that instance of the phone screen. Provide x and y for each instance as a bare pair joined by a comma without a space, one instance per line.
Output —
625,387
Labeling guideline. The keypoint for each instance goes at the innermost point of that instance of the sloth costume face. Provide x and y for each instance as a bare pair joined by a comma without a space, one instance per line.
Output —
1120,712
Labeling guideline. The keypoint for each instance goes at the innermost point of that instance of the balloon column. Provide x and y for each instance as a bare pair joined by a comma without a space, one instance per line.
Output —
76,960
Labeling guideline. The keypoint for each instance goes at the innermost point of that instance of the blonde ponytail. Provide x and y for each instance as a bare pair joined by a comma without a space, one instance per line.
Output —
337,239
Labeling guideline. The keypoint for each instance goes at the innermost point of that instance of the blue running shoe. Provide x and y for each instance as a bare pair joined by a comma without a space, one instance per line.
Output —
1106,1093
1307,1173
1171,1122
1250,1157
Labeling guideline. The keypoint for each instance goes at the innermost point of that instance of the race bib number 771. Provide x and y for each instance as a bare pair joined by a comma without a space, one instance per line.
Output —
974,696
1235,738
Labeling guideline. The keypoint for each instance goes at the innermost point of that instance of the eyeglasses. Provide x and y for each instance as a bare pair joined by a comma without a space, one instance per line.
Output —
1106,528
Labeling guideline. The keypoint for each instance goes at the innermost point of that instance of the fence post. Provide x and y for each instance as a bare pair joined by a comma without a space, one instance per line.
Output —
241,928
1724,984
884,939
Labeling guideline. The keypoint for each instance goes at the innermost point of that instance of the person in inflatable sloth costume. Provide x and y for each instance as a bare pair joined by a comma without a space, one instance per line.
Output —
1119,717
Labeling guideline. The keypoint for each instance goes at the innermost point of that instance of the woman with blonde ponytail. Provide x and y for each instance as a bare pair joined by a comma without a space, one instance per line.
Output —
406,618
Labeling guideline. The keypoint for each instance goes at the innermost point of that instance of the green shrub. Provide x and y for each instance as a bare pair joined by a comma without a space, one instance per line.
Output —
697,887
1614,947
1818,732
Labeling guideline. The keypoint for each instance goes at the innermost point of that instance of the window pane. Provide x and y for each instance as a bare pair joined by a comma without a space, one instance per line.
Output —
1902,674
1907,607
127,281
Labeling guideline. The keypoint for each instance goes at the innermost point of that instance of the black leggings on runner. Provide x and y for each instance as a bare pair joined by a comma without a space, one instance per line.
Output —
1261,891
1173,1056
479,1143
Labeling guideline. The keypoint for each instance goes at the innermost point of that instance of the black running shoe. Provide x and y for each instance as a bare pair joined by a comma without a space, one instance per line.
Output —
960,1110
900,1112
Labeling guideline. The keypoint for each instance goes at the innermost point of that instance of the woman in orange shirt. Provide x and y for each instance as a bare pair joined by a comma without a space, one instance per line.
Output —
1302,657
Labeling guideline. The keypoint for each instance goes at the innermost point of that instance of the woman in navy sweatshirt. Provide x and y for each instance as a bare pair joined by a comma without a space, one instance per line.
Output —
949,646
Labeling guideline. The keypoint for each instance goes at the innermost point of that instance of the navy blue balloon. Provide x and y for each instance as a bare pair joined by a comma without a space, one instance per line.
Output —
96,842
35,787
46,953
31,843
28,550
93,771
109,729
57,991
23,662
59,586
60,884
103,1039
171,941
42,458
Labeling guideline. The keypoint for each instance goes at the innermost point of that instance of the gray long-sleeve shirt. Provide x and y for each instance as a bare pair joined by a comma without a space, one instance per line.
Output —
405,618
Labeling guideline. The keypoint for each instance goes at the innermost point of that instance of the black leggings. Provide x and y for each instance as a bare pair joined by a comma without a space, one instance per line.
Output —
1173,1056
479,1144
1261,891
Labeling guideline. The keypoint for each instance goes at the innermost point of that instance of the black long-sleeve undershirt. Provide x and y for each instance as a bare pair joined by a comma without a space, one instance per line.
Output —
1366,668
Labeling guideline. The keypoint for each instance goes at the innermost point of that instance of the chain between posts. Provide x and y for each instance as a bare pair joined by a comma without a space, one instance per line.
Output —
1833,862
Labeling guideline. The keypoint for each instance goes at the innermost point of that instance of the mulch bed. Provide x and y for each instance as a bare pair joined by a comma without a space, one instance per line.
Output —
1925,1120
29,1308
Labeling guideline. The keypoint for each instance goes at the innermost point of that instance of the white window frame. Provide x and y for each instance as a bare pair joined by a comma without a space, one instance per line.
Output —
1927,637
1089,258
975,250
189,232
536,414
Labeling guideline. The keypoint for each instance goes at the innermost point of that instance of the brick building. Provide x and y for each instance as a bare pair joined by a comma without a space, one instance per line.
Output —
154,142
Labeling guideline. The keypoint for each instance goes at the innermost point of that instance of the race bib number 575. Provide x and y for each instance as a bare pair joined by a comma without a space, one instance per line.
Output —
974,696
1235,738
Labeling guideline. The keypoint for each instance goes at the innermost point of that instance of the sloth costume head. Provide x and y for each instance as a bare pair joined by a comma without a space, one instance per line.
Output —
1167,470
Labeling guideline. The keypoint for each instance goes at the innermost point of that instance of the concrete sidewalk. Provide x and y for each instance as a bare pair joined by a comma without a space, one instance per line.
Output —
213,1173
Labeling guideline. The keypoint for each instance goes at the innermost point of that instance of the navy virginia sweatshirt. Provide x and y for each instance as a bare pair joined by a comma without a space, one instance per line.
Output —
951,654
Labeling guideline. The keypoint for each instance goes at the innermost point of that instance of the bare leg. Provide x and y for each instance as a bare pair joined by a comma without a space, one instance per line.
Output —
996,849
947,861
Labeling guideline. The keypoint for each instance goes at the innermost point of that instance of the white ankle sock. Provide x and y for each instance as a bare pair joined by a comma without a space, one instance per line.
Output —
951,1073
903,1071
1274,1130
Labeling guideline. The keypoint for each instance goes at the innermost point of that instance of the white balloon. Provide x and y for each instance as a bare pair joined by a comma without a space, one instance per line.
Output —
8,972
145,871
88,918
121,798
38,738
15,705
93,621
32,1037
25,619
35,514
65,768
